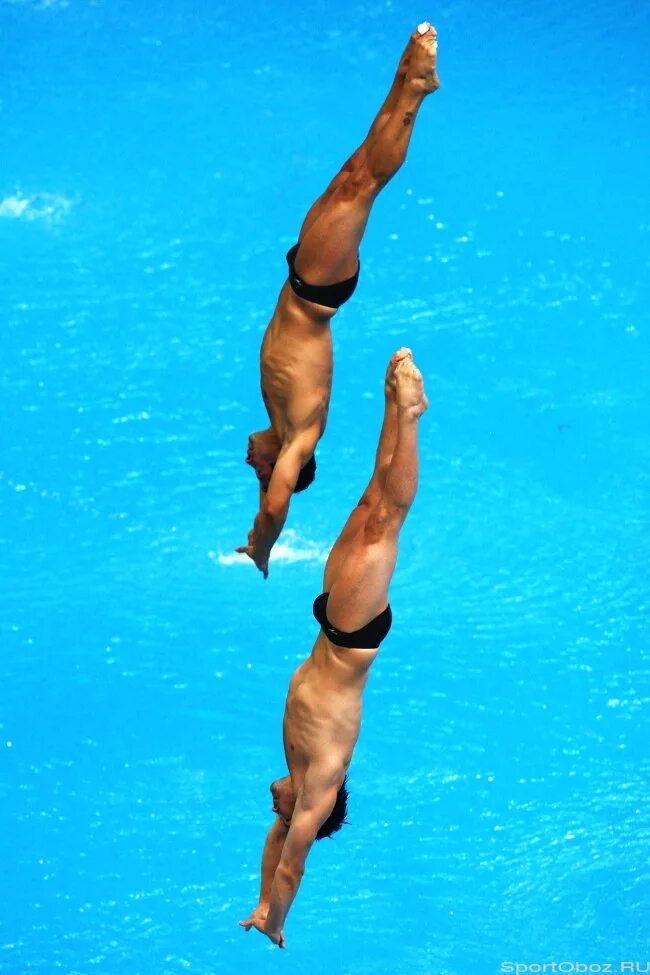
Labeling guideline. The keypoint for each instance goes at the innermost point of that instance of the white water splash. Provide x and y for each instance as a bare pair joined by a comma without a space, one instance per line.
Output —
290,547
50,207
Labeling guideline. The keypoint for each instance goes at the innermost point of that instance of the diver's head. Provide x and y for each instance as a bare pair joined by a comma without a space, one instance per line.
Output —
284,799
262,453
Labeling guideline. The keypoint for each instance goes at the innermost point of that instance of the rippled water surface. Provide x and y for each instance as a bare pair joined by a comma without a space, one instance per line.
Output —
155,163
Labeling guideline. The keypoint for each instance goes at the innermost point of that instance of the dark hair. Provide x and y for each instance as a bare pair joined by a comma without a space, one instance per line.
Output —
336,818
306,476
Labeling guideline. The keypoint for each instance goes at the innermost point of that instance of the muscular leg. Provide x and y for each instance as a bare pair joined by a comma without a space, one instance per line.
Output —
334,227
363,559
375,486
357,157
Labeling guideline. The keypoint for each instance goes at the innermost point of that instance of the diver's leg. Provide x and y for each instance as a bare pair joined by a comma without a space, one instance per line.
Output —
355,160
329,248
374,488
388,433
358,579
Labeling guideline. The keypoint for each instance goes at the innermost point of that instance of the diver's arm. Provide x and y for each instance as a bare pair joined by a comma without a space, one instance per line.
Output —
271,857
308,816
271,854
274,506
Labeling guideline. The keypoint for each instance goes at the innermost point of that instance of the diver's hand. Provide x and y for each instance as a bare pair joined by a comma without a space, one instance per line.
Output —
252,550
257,920
258,913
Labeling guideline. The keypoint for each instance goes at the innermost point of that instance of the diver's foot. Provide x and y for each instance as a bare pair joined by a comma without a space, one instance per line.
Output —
410,388
421,75
405,59
390,384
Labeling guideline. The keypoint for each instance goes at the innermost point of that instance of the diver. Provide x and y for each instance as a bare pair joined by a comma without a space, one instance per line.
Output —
296,354
322,714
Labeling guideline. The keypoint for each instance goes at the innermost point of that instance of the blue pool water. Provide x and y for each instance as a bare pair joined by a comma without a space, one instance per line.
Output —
155,162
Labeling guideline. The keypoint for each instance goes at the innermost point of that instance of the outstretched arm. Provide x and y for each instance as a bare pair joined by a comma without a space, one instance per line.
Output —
314,804
274,506
273,845
275,840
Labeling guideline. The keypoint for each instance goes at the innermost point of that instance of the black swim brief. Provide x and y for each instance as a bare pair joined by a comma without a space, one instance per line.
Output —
367,638
330,295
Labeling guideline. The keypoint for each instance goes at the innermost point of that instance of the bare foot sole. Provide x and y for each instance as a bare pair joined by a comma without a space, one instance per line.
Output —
410,388
421,74
390,385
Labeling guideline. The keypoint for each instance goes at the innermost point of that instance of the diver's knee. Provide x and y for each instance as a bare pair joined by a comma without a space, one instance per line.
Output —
361,184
